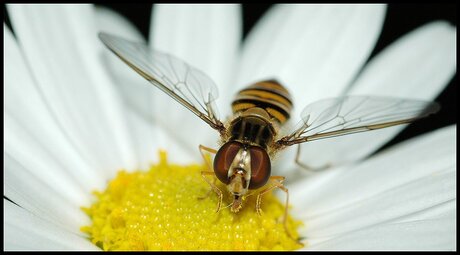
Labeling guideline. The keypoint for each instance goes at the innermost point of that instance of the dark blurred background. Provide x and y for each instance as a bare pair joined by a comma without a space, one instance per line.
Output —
400,19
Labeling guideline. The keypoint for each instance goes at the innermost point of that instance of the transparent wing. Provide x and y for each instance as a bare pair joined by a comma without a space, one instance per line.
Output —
352,114
184,83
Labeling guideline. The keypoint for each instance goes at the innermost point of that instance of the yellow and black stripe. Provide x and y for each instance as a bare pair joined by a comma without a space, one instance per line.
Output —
269,95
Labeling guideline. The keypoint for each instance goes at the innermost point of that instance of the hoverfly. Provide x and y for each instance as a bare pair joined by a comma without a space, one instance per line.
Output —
251,137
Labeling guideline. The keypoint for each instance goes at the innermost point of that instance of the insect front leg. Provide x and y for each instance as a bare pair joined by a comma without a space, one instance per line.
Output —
210,171
277,182
203,148
214,188
307,167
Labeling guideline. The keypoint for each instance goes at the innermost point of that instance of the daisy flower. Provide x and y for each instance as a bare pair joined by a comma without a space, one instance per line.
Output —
75,115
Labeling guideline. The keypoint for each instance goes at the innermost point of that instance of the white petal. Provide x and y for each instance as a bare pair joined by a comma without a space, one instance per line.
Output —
43,171
402,180
144,135
150,139
433,234
132,86
314,50
417,66
38,182
24,102
418,195
61,46
206,36
24,231
135,90
138,94
430,213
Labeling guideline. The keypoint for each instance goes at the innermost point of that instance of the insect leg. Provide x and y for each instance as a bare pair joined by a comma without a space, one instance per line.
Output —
213,187
277,182
203,148
307,167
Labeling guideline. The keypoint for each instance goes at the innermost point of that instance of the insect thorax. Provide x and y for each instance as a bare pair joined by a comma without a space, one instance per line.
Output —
253,127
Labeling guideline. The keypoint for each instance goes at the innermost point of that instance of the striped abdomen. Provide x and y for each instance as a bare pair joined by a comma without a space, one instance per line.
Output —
268,95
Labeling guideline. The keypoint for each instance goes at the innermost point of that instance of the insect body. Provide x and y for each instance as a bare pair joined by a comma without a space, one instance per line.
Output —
243,162
250,138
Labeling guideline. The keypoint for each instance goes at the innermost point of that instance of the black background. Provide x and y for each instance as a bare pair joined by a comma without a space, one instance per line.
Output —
400,19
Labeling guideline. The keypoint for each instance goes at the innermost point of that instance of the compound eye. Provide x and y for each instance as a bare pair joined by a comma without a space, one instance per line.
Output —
260,167
224,158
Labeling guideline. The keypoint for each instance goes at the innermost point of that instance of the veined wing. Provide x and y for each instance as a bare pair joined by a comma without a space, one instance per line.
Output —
352,114
184,83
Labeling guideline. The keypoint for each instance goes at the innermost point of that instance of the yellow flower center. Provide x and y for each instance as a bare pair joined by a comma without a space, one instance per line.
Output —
159,209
